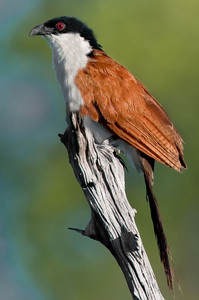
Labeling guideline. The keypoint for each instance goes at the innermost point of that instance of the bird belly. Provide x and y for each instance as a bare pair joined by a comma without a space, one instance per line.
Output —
101,134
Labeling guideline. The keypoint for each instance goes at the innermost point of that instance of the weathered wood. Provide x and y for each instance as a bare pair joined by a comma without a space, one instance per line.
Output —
100,173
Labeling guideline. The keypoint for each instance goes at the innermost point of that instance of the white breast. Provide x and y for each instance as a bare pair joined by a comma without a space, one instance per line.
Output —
70,54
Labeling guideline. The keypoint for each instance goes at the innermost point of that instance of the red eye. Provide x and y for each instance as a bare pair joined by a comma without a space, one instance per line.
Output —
60,26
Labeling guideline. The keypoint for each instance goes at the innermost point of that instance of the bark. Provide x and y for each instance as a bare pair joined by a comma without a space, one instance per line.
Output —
100,172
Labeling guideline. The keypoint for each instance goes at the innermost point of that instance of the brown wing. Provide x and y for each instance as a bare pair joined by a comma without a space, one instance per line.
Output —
113,97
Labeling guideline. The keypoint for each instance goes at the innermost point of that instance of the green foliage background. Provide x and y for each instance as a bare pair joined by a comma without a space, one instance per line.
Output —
158,41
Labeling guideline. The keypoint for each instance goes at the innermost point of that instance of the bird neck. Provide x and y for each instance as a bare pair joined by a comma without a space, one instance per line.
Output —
70,48
70,54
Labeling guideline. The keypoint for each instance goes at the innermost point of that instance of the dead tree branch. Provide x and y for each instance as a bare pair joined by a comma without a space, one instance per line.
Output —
100,173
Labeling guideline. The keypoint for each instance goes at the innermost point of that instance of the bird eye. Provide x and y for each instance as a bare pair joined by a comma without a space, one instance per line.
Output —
60,26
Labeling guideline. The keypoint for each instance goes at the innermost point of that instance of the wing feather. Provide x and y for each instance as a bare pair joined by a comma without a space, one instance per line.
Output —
113,97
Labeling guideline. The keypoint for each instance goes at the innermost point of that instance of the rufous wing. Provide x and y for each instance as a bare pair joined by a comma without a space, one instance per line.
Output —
113,97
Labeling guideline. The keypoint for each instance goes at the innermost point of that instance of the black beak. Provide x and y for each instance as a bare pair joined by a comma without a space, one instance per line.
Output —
39,30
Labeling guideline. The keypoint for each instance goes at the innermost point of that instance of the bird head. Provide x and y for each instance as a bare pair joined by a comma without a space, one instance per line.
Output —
58,28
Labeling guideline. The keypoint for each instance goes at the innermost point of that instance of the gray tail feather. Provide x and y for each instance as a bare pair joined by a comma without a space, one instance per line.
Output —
148,167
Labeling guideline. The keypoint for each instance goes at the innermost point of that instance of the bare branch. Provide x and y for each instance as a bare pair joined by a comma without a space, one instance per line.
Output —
101,176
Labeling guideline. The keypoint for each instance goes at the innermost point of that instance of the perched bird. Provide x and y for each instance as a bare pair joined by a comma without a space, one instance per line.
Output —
115,104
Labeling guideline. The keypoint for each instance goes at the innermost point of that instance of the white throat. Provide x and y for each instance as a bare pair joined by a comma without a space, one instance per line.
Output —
70,54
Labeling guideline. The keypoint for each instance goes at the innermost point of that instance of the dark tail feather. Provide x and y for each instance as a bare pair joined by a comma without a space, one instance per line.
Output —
148,166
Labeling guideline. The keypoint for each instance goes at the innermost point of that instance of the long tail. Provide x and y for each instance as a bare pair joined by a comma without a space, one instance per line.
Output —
148,168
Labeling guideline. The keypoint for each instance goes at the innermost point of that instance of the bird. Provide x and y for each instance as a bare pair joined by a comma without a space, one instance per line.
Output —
114,104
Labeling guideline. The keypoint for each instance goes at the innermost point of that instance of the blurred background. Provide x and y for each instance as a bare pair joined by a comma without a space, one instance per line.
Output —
158,41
